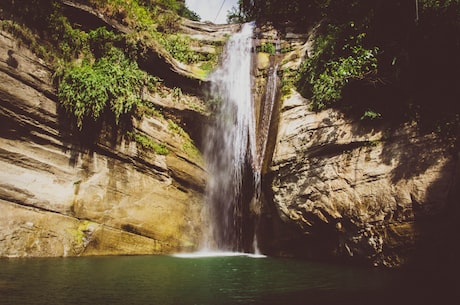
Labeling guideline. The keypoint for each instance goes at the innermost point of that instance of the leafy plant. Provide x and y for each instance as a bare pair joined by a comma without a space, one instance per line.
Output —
188,146
176,128
101,41
326,74
370,114
288,82
179,47
177,93
70,42
113,82
177,6
268,47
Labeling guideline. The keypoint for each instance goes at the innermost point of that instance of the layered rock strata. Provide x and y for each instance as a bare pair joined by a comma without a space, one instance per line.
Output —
343,189
66,193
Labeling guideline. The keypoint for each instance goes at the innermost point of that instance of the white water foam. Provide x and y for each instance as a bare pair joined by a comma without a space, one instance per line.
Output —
206,254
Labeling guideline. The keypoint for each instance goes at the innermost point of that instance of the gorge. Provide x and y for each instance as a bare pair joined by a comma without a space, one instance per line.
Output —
311,184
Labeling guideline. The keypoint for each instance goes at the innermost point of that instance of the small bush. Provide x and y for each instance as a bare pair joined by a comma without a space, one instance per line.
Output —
323,80
113,82
268,47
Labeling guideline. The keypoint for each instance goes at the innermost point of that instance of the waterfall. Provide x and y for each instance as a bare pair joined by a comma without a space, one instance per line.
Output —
265,116
230,145
234,155
263,130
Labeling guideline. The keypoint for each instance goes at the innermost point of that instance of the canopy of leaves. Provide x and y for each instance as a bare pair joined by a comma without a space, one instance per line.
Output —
177,6
395,58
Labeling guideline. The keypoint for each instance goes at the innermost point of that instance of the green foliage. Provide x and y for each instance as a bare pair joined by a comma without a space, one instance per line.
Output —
370,114
148,109
177,93
288,80
101,41
179,47
236,15
188,146
147,143
382,55
128,12
26,36
113,82
95,71
191,150
437,4
31,13
176,6
176,128
268,47
70,42
326,74
168,22
278,11
207,67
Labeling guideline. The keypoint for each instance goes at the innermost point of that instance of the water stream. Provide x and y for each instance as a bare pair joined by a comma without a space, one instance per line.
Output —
236,147
230,145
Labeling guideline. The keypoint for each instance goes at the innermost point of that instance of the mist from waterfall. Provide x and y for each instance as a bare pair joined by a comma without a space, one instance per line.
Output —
230,145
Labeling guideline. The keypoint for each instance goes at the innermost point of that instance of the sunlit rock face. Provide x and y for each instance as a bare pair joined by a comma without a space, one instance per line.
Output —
65,193
381,195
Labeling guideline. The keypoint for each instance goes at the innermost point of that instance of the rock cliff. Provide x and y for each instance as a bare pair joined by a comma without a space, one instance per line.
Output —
335,187
345,190
62,195
103,191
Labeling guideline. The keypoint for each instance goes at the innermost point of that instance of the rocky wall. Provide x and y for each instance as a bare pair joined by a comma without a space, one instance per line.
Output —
66,193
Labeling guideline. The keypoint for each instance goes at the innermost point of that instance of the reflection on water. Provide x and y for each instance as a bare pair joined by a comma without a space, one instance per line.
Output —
209,280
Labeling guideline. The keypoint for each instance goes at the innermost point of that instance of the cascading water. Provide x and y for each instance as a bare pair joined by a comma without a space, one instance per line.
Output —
263,130
265,116
230,145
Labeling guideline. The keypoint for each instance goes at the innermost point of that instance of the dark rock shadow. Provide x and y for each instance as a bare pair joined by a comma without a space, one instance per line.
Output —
412,154
101,135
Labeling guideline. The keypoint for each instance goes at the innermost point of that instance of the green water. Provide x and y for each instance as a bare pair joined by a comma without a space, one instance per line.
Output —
213,280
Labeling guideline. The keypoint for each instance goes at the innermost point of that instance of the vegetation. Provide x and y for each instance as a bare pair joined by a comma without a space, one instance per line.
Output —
268,47
188,146
323,78
96,71
147,143
384,59
177,6
27,37
113,82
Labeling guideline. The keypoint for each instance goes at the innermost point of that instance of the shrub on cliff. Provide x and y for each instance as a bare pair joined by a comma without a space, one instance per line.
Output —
396,59
112,83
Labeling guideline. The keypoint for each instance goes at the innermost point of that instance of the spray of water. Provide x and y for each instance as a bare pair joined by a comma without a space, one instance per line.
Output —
230,143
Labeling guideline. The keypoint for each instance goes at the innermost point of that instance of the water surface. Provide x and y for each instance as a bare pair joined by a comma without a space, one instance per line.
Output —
208,280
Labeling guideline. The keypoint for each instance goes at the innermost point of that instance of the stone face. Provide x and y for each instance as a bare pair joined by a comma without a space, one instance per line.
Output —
66,193
352,191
